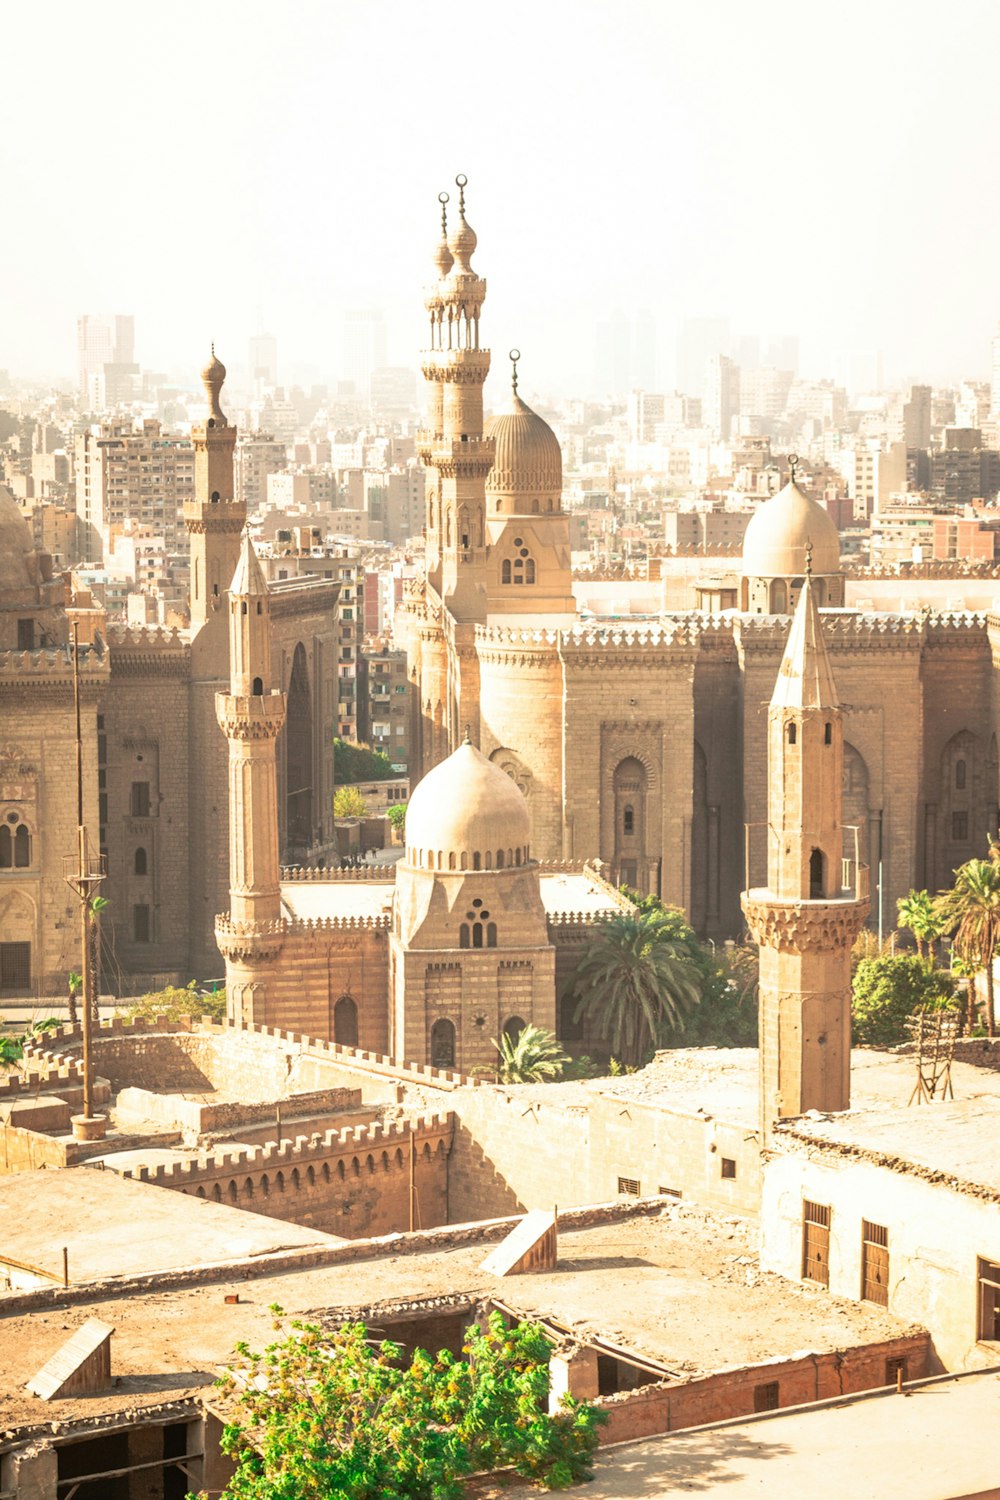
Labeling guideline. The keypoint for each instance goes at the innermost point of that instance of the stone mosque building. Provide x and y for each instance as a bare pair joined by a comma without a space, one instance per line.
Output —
646,745
155,794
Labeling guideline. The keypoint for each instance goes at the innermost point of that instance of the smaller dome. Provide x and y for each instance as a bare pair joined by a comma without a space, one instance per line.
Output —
527,461
781,533
464,813
17,546
463,241
443,258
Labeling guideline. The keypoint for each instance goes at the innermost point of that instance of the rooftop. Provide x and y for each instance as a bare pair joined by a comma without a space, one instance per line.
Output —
682,1287
875,1445
315,900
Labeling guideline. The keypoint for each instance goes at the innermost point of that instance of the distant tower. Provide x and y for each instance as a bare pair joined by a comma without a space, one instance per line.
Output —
214,518
251,716
805,921
454,450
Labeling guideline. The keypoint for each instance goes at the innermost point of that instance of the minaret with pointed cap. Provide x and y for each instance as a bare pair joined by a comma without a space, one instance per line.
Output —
251,716
214,518
453,449
816,900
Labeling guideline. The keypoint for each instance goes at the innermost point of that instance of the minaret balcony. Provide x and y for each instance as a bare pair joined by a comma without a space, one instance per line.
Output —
259,716
855,875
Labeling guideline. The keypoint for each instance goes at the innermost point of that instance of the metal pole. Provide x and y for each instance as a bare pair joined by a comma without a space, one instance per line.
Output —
86,977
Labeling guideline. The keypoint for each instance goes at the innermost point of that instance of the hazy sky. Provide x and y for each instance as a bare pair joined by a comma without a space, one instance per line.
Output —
828,169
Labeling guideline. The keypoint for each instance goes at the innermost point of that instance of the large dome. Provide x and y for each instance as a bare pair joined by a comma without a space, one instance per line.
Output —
527,467
466,814
18,564
784,528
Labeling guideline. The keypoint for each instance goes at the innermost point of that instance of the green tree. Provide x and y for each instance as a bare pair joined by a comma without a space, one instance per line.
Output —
919,912
533,1056
12,1044
175,1002
970,912
359,763
330,1415
887,991
636,978
397,815
349,803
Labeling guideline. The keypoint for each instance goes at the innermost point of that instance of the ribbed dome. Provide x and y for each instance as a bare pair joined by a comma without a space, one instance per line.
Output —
466,814
213,377
527,465
784,528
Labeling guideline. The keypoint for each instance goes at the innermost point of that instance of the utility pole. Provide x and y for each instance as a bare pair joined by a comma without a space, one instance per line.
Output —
84,873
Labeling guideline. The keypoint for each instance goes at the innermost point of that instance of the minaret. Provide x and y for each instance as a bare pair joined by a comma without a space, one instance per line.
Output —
454,449
815,902
251,715
214,518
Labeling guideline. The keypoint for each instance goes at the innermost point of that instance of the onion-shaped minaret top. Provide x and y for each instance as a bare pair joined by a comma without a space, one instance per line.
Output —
463,241
213,376
443,258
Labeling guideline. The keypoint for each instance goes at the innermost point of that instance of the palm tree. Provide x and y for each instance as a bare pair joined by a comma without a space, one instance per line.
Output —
635,979
918,911
971,911
533,1055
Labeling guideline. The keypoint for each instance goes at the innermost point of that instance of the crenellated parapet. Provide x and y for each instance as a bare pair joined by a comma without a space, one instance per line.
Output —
52,668
384,873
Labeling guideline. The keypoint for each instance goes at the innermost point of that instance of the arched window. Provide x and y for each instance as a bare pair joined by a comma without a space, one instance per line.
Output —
499,859
22,848
15,845
505,570
792,734
491,934
828,734
529,571
345,1022
628,820
816,875
443,1044
960,775
141,867
779,597
477,935
513,1027
476,861
463,935
534,507
257,690
451,860
6,849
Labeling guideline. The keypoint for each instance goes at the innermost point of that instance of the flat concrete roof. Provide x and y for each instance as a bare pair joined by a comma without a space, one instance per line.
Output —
314,899
722,1082
955,1140
113,1226
932,1443
682,1287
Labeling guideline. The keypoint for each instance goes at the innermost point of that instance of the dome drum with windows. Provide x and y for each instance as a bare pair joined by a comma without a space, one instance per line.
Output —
466,814
789,533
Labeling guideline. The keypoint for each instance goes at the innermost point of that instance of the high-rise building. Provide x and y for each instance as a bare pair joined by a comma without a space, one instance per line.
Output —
263,360
722,394
258,454
783,353
646,411
995,377
102,339
613,354
131,472
365,343
698,341
917,417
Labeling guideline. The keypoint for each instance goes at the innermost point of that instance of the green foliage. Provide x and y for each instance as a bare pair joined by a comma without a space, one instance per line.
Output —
330,1415
637,978
970,912
12,1044
349,803
921,914
886,991
533,1056
359,763
174,1002
397,815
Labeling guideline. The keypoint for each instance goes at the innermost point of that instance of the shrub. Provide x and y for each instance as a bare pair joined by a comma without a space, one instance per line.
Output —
175,1002
887,991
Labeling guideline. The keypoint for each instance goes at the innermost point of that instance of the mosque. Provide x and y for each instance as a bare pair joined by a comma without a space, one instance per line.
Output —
645,745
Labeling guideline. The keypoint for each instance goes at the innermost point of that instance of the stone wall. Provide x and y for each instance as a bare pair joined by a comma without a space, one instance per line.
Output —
377,1179
666,1407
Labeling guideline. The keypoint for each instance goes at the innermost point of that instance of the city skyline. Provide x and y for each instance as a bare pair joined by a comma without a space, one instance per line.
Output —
633,162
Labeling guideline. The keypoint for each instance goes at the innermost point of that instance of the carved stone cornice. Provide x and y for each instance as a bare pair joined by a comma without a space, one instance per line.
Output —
250,718
244,943
803,926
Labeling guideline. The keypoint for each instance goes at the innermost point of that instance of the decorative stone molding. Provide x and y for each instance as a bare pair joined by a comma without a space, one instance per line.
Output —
803,926
250,718
242,943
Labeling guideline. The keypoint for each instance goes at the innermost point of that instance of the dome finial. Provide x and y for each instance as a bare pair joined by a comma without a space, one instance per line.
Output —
809,558
793,463
515,355
213,376
443,258
460,182
463,240
443,199
467,738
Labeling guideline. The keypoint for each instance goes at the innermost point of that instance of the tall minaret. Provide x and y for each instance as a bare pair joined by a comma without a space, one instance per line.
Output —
454,449
806,919
251,715
214,518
